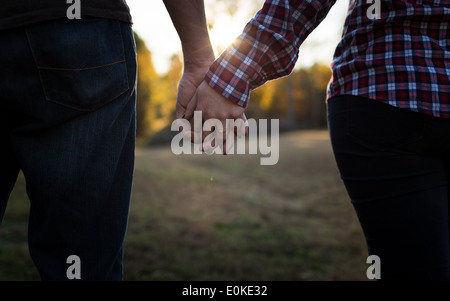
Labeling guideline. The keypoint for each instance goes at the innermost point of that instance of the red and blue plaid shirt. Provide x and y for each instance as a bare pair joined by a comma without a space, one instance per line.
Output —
401,58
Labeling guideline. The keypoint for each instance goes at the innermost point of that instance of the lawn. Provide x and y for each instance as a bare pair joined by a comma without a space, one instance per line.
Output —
213,217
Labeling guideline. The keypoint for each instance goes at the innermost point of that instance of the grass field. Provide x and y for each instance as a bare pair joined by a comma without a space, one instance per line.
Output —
212,217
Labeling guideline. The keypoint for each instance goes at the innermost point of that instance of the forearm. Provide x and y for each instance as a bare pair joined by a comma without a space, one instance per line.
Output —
268,47
189,20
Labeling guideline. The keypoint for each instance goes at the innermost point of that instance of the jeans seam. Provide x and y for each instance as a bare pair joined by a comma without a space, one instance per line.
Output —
80,69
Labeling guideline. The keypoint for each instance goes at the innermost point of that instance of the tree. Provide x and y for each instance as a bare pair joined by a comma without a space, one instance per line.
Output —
298,100
146,79
165,94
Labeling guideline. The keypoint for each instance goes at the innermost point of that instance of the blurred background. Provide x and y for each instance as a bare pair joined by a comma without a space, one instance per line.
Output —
212,217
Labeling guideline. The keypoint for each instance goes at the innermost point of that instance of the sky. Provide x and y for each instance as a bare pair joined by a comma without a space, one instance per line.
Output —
152,23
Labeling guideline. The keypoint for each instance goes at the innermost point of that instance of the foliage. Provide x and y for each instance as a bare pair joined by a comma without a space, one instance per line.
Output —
156,93
298,100
145,87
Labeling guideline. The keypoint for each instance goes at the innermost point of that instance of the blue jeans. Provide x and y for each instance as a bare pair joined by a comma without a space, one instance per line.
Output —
67,120
395,165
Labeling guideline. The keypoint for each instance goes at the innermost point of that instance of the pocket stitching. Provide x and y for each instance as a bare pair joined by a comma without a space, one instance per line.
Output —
124,84
80,69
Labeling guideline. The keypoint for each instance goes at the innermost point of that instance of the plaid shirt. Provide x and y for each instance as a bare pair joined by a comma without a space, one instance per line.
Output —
401,58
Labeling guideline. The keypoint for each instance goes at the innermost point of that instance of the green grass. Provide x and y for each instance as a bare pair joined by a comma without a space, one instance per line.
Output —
202,217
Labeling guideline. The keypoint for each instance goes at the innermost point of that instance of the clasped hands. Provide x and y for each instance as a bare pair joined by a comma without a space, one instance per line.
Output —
212,132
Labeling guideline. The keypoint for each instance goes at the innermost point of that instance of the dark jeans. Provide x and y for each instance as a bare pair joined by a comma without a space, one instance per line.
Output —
67,120
396,165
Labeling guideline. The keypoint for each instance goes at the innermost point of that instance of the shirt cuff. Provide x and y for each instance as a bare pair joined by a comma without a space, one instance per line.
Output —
229,81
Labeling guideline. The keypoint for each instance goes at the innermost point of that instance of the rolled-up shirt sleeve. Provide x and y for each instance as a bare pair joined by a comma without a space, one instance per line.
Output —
267,48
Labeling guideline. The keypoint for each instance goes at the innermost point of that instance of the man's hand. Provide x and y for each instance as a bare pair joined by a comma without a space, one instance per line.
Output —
215,107
191,79
190,22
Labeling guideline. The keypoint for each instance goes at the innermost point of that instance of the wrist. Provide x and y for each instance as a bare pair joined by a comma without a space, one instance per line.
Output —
199,58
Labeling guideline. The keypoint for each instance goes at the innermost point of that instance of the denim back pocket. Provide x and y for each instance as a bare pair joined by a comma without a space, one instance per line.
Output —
81,63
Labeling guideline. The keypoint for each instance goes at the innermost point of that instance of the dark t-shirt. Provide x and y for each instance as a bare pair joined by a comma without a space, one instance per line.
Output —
15,13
